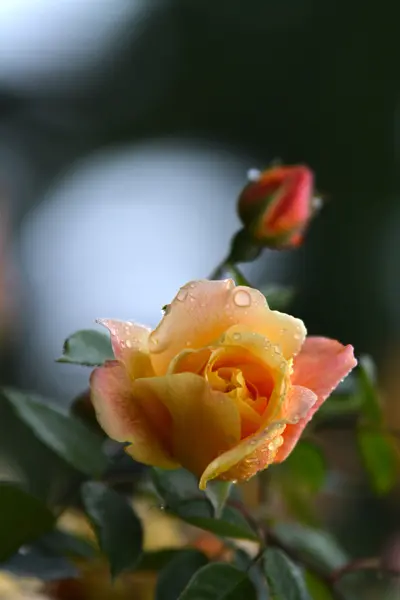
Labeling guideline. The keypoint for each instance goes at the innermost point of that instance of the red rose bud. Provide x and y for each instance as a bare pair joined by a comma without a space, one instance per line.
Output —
277,205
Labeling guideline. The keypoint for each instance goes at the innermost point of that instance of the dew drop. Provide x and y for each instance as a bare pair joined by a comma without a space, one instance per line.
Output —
297,336
156,345
181,295
236,336
128,344
253,174
242,298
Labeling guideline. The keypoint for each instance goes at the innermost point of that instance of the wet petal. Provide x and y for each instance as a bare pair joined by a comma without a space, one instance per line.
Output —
203,310
124,420
320,366
130,346
205,423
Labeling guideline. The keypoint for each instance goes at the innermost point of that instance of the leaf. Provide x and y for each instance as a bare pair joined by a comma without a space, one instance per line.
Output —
68,437
118,529
317,588
370,402
319,548
246,563
278,297
179,492
338,405
87,347
285,579
378,452
65,544
154,560
305,467
175,485
201,514
32,562
177,573
219,581
23,518
218,492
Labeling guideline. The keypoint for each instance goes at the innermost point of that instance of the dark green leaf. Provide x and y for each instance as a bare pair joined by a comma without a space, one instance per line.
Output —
317,588
201,514
218,492
176,485
118,529
23,518
68,437
157,559
177,573
339,405
65,544
378,452
87,347
246,563
318,547
278,297
305,467
370,402
219,581
285,579
34,563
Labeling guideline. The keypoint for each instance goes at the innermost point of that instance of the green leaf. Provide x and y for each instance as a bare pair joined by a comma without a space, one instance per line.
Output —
378,452
219,581
201,514
87,347
319,548
247,563
278,297
368,394
118,529
68,437
305,467
177,573
285,579
317,588
175,485
155,560
218,492
23,518
338,405
66,544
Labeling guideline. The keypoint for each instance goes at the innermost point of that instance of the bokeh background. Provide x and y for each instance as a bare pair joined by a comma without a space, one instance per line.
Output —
127,128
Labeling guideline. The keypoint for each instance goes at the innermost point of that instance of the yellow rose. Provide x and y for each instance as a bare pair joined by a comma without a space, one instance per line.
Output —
223,386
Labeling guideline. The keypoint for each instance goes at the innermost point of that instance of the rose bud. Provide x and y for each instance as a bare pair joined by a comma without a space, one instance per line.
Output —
277,205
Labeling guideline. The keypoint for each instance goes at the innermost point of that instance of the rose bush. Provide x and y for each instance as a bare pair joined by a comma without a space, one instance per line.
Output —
223,386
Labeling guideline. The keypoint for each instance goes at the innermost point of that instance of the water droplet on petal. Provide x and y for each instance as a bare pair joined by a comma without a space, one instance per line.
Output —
242,298
128,344
156,345
236,336
181,295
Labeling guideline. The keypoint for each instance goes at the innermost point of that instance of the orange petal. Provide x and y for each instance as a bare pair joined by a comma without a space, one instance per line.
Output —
320,366
124,420
130,345
259,450
205,423
203,310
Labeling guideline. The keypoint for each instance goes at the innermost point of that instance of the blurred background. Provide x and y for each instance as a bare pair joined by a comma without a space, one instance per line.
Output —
127,128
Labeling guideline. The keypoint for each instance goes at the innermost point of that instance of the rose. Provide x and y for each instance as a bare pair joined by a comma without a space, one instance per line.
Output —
277,205
223,386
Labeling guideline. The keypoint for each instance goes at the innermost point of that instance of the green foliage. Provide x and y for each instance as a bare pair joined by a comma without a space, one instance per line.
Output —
219,581
378,452
176,575
23,519
319,548
87,347
180,494
118,529
218,492
318,588
305,467
285,579
68,437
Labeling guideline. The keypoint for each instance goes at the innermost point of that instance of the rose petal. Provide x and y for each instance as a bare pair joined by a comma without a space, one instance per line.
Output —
130,345
124,420
203,310
258,451
320,366
205,423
